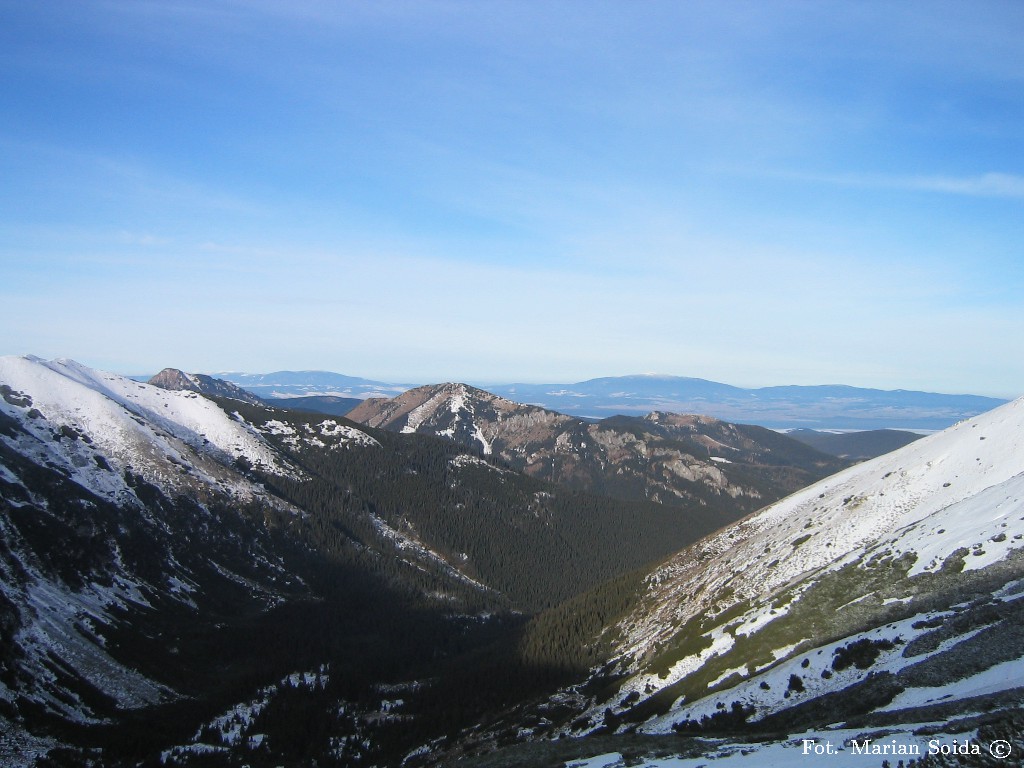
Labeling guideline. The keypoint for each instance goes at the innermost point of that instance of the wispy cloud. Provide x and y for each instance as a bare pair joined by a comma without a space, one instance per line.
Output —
992,184
987,184
143,239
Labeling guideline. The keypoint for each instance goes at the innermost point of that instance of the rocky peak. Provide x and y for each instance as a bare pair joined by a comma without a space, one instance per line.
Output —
686,460
176,380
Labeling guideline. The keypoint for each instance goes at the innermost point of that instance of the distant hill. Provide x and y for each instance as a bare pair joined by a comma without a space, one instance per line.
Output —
329,404
855,445
282,384
786,407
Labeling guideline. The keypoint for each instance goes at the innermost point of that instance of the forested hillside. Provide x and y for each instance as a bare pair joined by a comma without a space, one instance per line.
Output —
531,541
695,463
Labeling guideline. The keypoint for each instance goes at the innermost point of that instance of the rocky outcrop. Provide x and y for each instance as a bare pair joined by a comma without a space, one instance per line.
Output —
178,381
664,457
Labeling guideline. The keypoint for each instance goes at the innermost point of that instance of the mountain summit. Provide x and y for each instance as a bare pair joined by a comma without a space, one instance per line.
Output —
179,381
668,458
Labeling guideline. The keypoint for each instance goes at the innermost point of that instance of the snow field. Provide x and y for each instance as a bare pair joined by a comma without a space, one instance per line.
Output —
113,414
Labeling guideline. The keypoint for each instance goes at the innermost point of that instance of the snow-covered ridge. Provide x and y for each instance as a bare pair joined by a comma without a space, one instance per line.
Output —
133,425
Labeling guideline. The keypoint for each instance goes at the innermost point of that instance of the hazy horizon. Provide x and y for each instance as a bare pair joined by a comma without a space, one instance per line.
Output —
495,382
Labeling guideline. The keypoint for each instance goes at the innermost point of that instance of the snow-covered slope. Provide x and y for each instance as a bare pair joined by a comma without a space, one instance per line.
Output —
109,491
890,593
173,439
952,490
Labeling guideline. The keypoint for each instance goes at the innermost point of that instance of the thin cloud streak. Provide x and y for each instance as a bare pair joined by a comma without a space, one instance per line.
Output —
1006,185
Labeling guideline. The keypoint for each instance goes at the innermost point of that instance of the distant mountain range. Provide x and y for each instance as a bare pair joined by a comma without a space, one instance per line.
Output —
782,407
282,384
785,407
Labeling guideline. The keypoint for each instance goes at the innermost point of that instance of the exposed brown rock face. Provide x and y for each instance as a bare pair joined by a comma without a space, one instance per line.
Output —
665,457
176,380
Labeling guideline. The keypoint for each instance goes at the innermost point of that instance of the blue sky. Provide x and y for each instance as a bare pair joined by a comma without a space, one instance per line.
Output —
754,192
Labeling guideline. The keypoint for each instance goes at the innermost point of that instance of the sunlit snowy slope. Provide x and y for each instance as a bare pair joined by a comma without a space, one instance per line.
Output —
110,493
882,563
142,428
888,595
